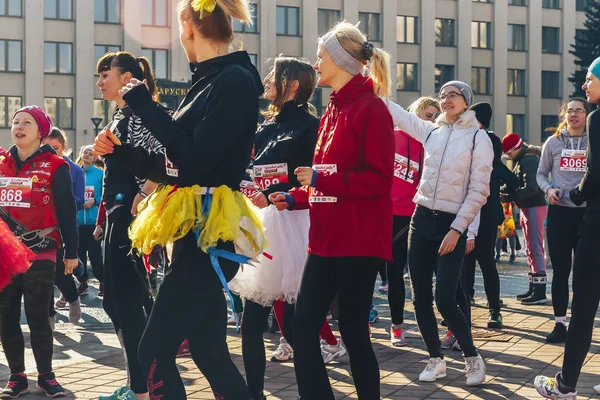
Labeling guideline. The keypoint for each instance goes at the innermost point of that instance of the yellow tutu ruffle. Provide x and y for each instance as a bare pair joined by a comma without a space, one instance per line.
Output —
171,213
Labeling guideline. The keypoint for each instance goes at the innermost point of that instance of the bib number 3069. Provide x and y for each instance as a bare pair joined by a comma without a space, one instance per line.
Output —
573,160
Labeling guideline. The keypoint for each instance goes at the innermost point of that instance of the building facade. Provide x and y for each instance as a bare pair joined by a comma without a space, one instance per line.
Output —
515,53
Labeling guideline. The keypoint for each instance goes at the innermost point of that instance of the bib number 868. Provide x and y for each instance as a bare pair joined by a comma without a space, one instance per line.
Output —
11,195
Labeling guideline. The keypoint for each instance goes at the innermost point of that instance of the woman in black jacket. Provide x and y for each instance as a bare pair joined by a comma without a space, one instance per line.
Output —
208,141
586,265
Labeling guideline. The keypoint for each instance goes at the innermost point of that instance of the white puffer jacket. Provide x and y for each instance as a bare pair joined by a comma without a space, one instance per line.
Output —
456,174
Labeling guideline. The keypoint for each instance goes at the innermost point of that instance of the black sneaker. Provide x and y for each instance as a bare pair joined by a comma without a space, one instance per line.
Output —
47,384
17,385
495,320
558,335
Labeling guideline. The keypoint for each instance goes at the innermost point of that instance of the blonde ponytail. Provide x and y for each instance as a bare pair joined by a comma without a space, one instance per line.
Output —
212,18
379,71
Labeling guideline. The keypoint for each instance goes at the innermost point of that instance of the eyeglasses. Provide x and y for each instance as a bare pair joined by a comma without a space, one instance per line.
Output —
577,111
450,96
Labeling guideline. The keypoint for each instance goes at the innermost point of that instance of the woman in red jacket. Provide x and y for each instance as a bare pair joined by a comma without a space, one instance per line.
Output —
408,164
348,194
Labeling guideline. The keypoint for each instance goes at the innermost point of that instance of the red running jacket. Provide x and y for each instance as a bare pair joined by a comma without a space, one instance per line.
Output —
408,165
350,205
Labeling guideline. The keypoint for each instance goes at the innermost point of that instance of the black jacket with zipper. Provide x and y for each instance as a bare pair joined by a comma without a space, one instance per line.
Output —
525,168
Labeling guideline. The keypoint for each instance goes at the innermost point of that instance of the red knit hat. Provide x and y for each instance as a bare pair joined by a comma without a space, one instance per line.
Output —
511,142
43,120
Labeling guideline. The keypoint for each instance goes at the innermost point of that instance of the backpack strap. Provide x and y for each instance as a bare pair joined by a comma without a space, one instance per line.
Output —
434,129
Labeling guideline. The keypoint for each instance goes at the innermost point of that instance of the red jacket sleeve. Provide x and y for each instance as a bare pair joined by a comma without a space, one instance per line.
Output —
101,219
300,195
376,178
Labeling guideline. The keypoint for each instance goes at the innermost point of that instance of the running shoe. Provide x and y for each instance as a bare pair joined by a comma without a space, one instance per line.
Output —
61,302
184,349
436,368
512,259
495,320
558,335
397,336
116,395
332,352
234,316
373,315
47,383
82,289
16,386
475,368
74,311
384,288
448,341
549,388
284,351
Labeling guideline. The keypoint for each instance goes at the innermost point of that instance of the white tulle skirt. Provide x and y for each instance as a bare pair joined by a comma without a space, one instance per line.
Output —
271,279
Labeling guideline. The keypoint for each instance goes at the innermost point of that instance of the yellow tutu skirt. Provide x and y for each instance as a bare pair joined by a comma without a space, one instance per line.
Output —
170,213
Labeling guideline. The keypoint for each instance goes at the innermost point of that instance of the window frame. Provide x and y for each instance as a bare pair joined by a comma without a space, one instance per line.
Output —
522,3
524,119
557,31
57,117
416,25
483,1
510,44
549,7
489,39
365,29
255,21
58,18
106,13
5,14
153,61
106,46
57,48
582,7
522,82
286,22
339,18
556,122
6,70
437,66
555,85
453,32
7,116
488,83
416,78
154,15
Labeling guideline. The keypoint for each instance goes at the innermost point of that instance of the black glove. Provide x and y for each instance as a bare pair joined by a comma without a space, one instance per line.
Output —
576,196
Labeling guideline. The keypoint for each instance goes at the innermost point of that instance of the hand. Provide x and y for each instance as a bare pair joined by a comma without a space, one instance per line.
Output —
132,83
304,175
470,246
279,200
553,196
89,204
259,200
449,243
97,232
70,265
136,201
104,143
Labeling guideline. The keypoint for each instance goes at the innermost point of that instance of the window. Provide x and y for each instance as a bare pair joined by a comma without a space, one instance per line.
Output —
551,4
407,30
327,19
481,80
482,1
107,11
444,32
11,8
159,60
443,74
407,77
580,37
8,106
58,58
550,40
550,84
254,59
288,21
154,12
517,2
242,27
515,123
11,55
60,110
517,37
582,5
481,35
58,9
516,82
549,124
369,23
103,109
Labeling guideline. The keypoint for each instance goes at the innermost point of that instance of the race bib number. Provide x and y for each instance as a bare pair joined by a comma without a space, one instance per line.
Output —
171,168
89,193
573,160
319,197
404,171
248,188
15,192
271,174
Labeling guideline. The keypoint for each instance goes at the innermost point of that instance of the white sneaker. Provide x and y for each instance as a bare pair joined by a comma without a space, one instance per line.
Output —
456,346
436,368
284,351
332,352
548,388
448,341
397,336
75,311
597,388
475,368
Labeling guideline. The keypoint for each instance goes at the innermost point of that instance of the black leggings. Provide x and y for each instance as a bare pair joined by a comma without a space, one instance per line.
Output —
64,283
253,347
35,287
564,227
427,231
395,269
126,292
92,247
190,304
352,279
586,275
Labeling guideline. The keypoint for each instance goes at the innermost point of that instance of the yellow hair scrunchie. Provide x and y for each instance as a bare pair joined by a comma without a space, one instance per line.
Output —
203,6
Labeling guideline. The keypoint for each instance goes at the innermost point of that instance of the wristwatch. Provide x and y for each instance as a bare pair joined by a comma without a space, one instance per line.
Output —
457,231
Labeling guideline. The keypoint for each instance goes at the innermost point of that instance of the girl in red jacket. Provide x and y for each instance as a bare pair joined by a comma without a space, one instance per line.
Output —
348,194
408,164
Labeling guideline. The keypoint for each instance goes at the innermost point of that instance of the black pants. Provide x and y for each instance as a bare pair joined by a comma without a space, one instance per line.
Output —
586,275
395,269
126,292
64,283
35,287
92,247
564,227
352,279
483,253
253,347
190,304
427,231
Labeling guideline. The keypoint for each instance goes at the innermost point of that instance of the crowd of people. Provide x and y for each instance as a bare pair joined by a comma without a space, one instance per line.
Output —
234,205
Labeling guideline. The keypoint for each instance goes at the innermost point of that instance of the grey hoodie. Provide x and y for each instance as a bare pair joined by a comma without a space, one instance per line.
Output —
550,165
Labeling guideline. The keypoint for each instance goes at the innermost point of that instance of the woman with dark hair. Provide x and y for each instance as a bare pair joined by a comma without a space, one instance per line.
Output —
126,284
208,143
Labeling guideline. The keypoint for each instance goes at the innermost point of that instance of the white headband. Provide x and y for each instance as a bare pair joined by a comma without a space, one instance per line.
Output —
340,56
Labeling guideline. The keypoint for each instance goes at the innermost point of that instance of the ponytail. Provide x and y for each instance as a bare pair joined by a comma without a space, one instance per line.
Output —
148,75
212,18
139,67
379,70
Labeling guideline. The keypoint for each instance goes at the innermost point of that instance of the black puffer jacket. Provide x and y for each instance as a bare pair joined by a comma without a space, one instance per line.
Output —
288,139
525,168
588,190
